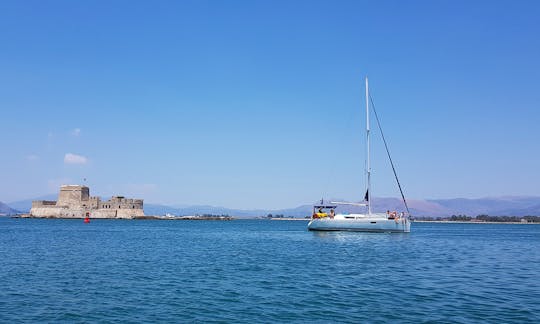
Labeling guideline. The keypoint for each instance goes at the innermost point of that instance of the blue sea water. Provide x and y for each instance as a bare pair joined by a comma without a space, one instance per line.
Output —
257,271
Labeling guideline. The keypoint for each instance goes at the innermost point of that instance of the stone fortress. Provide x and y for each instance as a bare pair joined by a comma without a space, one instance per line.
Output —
74,201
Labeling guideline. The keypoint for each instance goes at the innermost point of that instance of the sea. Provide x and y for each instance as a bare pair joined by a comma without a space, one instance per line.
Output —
263,271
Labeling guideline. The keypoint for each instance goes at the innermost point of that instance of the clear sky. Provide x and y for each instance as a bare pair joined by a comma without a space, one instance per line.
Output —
248,104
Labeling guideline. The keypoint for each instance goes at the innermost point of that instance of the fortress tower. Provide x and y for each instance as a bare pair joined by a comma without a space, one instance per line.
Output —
73,195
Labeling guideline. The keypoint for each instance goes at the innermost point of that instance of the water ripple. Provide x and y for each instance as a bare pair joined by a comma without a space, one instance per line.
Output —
263,271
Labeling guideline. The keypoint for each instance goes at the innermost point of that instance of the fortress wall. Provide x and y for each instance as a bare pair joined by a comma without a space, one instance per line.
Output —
63,212
103,213
123,203
116,213
40,203
130,213
93,203
57,212
131,204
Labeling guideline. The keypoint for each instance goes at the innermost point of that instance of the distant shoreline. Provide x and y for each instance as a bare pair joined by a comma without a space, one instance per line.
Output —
466,222
228,218
149,217
417,221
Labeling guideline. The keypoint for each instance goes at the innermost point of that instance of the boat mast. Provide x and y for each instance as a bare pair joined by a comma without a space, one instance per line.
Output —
368,166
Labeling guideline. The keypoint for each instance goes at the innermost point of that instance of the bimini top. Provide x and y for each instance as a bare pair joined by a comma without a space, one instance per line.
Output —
325,206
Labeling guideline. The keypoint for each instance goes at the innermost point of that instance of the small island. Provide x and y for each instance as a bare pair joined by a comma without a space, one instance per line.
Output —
74,201
190,217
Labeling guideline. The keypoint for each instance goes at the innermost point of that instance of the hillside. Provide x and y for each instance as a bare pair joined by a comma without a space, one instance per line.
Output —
25,205
5,210
494,206
502,206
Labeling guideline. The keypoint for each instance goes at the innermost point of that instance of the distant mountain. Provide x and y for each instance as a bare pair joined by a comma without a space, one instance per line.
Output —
529,211
5,210
493,206
25,205
499,206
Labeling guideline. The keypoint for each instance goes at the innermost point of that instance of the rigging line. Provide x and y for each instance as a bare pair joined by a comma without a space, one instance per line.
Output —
388,153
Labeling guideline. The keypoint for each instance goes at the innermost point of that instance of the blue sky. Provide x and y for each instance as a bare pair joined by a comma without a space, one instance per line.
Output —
249,104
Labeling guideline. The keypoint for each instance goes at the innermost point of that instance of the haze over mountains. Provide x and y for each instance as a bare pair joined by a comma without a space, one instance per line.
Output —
495,206
6,210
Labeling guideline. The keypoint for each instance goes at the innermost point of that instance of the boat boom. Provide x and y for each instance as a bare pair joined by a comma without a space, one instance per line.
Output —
347,203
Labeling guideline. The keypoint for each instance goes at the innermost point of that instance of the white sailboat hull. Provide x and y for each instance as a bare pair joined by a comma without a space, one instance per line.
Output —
360,223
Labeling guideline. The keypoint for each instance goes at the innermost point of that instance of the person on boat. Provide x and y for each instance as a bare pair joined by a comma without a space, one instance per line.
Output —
321,213
332,213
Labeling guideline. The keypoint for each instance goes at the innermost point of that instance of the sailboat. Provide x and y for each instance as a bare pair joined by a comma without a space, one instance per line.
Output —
324,217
